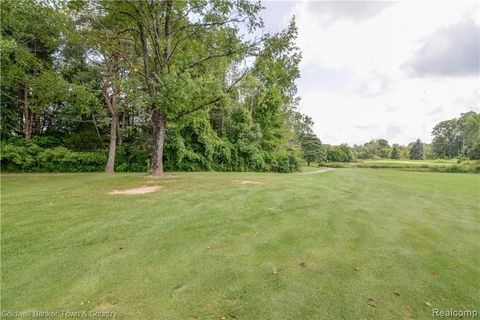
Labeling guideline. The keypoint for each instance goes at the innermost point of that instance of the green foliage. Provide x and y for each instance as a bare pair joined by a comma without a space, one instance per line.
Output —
375,149
312,148
29,157
395,153
341,153
84,138
32,34
416,152
194,145
19,157
447,141
61,60
407,165
131,159
61,159
457,137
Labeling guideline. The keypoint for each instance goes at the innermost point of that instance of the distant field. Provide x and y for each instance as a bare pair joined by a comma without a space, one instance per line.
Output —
412,165
430,162
345,244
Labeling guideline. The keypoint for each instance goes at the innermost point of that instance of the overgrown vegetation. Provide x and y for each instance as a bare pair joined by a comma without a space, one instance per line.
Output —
176,82
180,85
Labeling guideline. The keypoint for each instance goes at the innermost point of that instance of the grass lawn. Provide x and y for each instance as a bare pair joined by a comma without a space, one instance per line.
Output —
206,246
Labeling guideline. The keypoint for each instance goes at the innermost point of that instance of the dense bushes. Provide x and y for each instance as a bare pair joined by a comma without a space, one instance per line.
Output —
61,159
29,157
341,153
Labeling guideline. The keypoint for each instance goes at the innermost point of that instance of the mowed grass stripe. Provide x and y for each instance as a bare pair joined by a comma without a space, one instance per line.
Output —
293,247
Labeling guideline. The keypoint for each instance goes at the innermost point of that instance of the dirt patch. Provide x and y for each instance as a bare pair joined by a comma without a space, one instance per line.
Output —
141,190
322,170
247,182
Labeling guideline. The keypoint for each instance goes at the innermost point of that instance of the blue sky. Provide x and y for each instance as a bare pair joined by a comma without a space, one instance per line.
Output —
383,69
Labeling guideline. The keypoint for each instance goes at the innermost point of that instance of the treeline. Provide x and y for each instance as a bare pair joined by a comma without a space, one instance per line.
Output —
146,85
458,138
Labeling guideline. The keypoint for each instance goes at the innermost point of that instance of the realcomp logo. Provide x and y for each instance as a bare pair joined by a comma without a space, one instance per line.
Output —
455,313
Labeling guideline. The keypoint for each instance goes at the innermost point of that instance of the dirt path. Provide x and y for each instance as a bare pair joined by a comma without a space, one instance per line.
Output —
322,170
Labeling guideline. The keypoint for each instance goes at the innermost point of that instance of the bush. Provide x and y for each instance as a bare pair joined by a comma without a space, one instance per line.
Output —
18,157
341,153
285,163
131,159
61,159
29,157
26,156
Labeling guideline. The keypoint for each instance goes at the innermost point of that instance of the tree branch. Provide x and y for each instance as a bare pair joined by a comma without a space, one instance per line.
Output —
205,104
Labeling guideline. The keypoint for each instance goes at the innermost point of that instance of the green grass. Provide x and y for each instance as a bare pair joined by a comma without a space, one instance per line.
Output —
206,247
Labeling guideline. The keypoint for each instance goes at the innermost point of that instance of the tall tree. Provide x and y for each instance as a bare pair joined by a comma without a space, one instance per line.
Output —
469,126
31,36
187,50
111,89
447,139
105,42
416,152
395,153
312,148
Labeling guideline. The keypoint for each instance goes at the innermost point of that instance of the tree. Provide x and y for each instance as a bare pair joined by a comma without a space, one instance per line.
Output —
395,153
31,36
447,139
312,148
416,152
301,125
341,153
457,137
469,126
103,34
111,89
374,149
189,52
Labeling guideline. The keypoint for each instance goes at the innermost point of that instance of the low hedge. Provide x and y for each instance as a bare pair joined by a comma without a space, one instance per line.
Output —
28,156
32,158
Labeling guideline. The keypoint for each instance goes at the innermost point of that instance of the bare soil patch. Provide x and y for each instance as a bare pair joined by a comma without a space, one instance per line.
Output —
141,190
247,182
322,170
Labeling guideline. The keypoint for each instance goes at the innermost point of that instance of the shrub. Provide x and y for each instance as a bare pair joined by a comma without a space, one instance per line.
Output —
285,162
29,157
61,159
18,157
131,159
341,153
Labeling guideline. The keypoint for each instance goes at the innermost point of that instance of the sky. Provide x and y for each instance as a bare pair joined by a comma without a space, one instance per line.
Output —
376,69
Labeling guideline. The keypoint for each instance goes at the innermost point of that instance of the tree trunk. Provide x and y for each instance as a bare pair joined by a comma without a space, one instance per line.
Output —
158,119
110,168
27,115
120,129
158,123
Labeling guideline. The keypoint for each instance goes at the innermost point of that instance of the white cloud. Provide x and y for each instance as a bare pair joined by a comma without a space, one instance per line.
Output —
354,85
